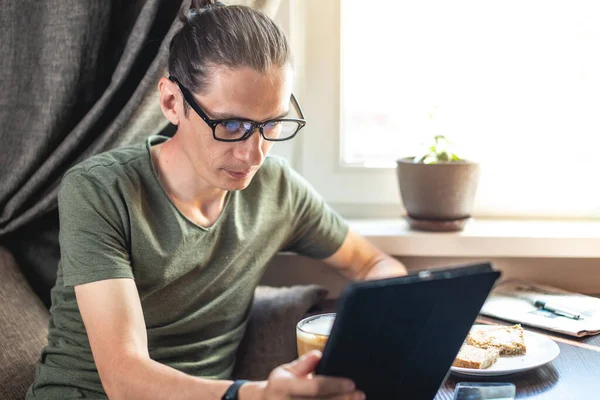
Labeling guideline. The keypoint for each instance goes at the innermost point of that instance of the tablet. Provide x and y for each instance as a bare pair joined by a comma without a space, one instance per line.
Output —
396,338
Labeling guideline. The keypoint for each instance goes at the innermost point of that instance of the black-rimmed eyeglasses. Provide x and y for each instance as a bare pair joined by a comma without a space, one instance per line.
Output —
236,130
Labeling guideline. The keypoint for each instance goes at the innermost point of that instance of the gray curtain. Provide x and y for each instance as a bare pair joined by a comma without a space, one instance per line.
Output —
78,78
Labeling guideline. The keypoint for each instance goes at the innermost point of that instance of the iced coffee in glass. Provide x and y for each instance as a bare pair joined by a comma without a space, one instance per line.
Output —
312,332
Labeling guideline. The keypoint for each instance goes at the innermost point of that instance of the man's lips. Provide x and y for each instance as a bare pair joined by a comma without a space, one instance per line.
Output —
239,174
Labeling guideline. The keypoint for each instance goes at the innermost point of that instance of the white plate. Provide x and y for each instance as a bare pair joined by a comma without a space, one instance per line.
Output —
540,350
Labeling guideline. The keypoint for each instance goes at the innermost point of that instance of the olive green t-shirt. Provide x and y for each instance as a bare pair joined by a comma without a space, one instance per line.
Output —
195,284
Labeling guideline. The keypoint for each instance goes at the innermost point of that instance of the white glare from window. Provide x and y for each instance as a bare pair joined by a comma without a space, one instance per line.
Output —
513,84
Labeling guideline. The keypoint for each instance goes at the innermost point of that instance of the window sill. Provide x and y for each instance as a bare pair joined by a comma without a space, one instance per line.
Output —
486,238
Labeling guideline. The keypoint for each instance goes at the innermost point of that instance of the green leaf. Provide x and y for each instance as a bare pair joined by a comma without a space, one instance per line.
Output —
439,151
431,159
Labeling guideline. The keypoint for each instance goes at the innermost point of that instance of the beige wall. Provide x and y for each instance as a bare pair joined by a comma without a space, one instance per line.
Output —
581,275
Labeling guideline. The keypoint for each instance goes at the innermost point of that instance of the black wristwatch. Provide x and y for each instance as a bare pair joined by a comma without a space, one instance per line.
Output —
232,391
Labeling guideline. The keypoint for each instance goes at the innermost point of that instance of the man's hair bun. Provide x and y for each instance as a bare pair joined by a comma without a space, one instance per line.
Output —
197,7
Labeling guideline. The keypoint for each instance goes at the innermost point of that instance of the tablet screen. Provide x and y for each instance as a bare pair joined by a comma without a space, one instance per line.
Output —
398,337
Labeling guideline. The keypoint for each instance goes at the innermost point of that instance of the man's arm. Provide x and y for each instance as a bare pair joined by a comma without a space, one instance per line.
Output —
114,321
358,259
113,318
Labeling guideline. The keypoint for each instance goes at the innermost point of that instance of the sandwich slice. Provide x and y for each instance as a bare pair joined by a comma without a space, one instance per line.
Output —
508,339
475,357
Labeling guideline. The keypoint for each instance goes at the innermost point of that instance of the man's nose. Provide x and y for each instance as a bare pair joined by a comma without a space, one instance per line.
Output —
251,149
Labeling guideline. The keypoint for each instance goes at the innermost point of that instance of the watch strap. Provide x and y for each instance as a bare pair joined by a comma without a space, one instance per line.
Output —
232,391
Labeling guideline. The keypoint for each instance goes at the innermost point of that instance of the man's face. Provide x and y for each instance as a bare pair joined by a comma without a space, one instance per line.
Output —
234,93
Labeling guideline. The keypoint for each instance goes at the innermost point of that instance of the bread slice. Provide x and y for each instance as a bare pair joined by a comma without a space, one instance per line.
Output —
508,339
475,357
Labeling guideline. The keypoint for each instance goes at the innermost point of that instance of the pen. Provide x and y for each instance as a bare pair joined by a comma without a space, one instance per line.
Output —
556,310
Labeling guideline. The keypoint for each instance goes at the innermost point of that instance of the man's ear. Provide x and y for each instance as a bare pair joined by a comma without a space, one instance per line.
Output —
170,100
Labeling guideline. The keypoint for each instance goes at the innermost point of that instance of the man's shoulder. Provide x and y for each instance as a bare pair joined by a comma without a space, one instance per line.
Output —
110,164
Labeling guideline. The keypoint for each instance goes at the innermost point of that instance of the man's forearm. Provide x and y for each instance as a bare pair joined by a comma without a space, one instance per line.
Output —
137,378
358,259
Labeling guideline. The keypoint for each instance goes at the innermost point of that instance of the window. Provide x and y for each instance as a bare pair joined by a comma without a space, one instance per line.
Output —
514,84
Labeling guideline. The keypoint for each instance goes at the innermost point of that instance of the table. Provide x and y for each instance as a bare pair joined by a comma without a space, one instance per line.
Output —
573,375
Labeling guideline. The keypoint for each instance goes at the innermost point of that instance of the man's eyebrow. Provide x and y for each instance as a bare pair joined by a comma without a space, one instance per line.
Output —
225,115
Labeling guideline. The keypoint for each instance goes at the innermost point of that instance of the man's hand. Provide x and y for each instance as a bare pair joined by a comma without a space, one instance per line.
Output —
386,267
296,381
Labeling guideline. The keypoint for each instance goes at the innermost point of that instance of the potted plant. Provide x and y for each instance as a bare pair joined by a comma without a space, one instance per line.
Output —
437,187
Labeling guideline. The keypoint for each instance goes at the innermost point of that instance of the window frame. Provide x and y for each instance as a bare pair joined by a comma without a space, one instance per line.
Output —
358,192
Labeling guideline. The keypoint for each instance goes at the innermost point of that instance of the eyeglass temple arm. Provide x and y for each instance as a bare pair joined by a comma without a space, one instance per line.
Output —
191,102
297,105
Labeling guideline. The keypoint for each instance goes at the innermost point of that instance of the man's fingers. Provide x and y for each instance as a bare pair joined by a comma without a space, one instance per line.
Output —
321,387
305,364
297,381
356,395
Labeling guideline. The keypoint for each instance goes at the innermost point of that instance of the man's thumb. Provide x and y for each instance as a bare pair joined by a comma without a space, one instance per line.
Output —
305,364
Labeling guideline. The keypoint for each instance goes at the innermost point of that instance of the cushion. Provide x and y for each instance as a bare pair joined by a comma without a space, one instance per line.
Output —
23,330
270,338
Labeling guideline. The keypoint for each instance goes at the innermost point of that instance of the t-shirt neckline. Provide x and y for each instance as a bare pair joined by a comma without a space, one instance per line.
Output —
156,139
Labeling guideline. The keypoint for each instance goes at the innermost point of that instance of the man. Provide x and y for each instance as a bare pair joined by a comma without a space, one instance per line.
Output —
163,245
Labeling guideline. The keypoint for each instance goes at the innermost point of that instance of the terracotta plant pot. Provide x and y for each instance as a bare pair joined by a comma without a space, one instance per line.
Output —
438,192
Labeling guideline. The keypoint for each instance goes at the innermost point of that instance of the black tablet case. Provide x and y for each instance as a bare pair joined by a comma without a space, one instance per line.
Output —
397,338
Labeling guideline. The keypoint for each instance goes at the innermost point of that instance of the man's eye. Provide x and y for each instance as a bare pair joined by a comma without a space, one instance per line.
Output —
233,126
272,124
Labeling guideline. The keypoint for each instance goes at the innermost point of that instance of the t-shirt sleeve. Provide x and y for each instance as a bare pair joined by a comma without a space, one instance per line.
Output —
93,244
317,231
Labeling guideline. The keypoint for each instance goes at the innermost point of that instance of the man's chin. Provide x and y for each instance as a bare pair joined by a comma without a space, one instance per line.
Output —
237,184
243,184
234,186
